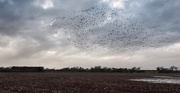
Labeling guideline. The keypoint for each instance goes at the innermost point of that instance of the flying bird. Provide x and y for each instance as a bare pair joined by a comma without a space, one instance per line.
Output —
112,29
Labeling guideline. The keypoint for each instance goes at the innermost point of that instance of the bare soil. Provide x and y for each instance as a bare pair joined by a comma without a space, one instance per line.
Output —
81,83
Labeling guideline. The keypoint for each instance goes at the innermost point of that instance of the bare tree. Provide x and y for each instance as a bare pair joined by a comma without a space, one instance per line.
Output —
136,68
160,68
173,68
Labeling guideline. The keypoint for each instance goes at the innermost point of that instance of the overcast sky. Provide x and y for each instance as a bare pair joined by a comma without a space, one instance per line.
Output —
87,33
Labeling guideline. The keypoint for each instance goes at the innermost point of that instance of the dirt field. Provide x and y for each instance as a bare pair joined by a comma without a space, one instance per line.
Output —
80,83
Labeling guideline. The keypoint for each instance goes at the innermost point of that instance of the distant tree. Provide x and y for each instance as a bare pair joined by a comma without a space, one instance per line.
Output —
106,69
173,68
166,70
159,68
136,68
176,68
97,68
65,69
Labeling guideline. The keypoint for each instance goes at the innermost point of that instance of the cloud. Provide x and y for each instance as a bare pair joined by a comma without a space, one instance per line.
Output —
114,3
45,4
116,30
58,33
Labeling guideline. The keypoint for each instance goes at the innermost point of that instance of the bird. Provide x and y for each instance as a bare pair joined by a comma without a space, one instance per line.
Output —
113,29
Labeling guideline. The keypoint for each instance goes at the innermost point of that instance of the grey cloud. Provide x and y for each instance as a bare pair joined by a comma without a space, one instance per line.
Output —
18,24
163,12
28,32
123,32
153,13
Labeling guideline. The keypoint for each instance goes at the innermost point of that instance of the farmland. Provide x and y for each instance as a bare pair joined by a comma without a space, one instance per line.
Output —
60,82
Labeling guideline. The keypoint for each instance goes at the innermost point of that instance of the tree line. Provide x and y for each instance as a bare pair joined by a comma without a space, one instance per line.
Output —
161,69
22,69
172,69
70,69
99,69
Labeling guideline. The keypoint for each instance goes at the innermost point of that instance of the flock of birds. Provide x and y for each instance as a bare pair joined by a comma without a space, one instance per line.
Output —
107,28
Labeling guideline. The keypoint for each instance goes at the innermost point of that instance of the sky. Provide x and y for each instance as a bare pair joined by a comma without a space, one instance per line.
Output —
88,33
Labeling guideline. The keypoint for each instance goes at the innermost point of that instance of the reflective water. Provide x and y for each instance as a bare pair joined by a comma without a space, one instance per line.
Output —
160,79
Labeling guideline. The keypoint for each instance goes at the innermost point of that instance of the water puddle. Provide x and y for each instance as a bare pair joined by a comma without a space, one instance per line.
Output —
160,79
